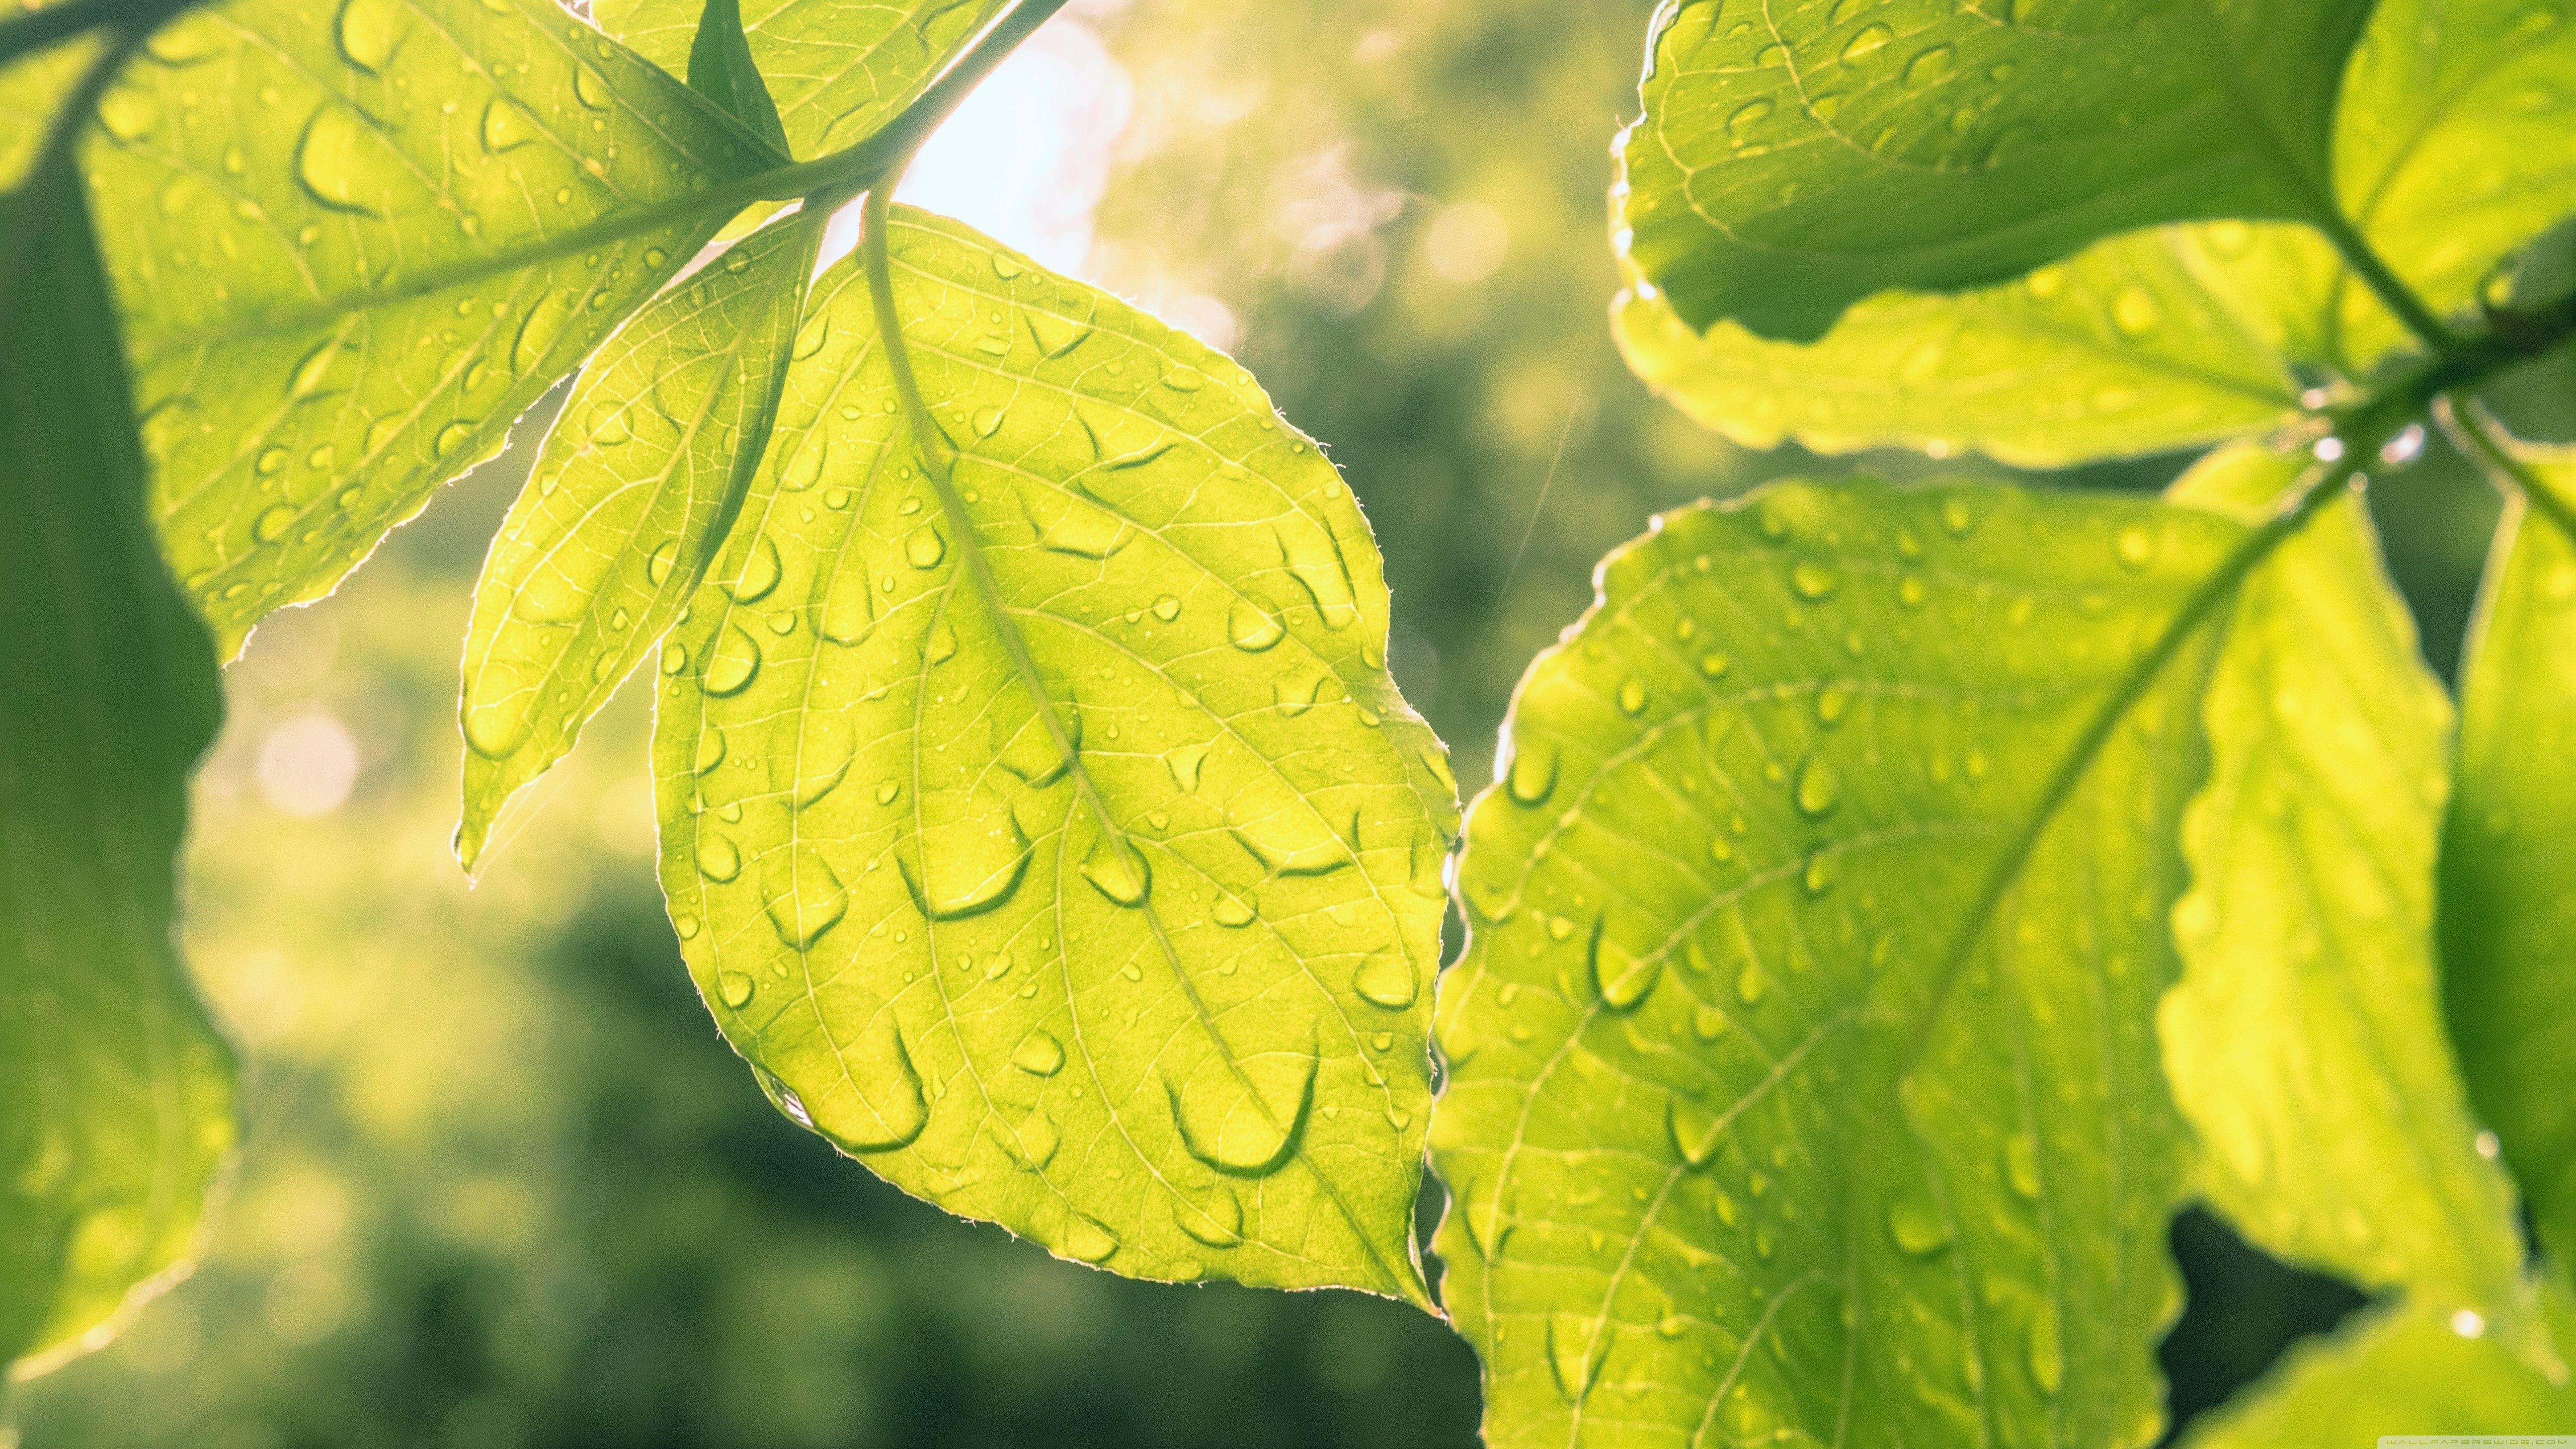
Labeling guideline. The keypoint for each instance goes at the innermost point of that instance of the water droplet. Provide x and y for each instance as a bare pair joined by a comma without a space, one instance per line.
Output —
343,162
1242,1116
1622,979
505,126
1167,608
1184,762
972,855
804,896
1745,117
1117,870
1039,1055
1576,1347
1696,1131
1251,627
734,664
1866,42
273,522
1751,983
1032,1144
1957,518
369,31
1385,979
1218,1222
718,860
1813,581
2134,312
759,573
1632,696
988,421
734,989
1916,1226
1819,788
871,1100
925,548
2021,1165
1928,65
2136,545
2047,1355
1532,776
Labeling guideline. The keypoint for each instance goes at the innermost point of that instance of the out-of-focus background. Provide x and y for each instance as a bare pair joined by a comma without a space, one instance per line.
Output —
503,1185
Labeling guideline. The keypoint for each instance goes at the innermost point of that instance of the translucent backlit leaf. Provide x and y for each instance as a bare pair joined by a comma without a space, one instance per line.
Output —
646,468
1803,1079
1141,970
837,69
289,188
1795,157
2508,906
115,1091
2406,1371
2305,1041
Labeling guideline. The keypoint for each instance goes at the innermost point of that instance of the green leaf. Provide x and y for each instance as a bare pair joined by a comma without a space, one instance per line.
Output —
2508,914
2305,1042
635,488
298,201
1796,157
721,69
2450,153
1145,974
1802,1075
32,89
2398,1371
115,1091
2138,344
2445,160
839,69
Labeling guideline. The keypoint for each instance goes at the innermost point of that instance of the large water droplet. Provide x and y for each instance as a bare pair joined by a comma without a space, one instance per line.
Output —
733,989
1117,870
1252,628
734,664
2021,1165
1216,1222
1696,1131
758,574
1385,979
505,126
972,855
1819,788
343,162
718,860
1243,1117
369,31
1622,979
1916,1226
1087,1241
1532,776
2046,1353
804,896
1032,1144
1076,526
1039,1054
1185,762
874,1103
1576,1346
924,548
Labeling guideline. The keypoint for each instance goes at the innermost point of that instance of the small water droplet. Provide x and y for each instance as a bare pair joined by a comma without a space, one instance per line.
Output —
1253,628
1118,871
1916,1226
1039,1054
1819,787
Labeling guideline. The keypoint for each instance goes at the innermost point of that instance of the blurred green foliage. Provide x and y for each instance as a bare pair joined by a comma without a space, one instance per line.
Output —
503,1184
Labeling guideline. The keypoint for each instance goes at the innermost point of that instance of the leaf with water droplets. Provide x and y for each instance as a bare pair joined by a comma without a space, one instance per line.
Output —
2508,903
335,229
837,69
636,485
2402,1370
1793,162
1155,933
2444,159
1802,1062
722,70
2305,1042
116,1092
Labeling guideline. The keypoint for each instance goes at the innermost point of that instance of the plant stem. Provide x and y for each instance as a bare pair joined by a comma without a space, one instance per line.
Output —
2384,283
35,29
61,139
2480,437
850,170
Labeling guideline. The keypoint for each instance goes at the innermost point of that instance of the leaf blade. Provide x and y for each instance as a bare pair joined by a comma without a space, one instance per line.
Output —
116,1092
2305,1040
1788,167
632,493
1738,921
890,881
2503,892
300,398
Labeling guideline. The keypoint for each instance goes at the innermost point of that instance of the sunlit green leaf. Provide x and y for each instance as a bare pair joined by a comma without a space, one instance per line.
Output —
2135,345
838,69
1803,1075
1146,975
2508,906
646,468
2401,1371
115,1092
32,88
2445,158
1796,157
285,185
2305,1042
722,70
2450,152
